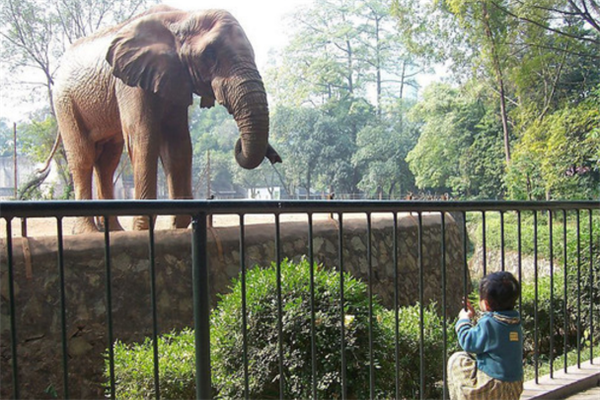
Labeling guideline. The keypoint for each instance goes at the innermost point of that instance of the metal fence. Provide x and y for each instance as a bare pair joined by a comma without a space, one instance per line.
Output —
558,216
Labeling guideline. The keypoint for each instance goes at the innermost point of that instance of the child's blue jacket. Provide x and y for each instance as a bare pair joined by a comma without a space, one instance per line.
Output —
497,341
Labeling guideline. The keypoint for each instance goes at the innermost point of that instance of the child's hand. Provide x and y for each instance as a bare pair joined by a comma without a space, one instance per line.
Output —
467,313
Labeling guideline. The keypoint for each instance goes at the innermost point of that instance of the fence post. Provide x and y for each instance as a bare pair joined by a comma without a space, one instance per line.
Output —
201,306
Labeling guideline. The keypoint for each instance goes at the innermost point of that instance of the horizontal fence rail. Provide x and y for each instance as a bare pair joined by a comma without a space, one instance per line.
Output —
29,209
561,235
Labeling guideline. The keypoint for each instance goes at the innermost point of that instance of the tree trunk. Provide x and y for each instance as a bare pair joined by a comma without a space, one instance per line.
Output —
378,62
504,116
500,81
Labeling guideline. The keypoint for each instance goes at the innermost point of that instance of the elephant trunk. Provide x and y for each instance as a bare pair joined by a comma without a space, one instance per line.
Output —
246,100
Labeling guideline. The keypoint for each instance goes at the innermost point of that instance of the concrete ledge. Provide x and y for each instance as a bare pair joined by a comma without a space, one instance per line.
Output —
563,384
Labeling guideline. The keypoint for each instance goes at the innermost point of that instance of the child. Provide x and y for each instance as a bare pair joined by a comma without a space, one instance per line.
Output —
491,366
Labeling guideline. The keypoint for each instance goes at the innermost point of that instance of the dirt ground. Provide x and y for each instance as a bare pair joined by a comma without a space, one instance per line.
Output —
48,227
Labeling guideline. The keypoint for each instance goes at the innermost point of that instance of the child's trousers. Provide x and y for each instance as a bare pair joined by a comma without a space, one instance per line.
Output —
466,382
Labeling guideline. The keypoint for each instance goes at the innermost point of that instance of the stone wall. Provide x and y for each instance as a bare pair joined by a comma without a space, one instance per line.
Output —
38,300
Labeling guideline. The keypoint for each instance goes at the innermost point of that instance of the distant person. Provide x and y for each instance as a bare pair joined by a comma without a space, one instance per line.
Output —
491,365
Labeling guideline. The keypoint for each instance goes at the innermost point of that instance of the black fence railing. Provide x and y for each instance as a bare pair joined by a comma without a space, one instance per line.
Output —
555,232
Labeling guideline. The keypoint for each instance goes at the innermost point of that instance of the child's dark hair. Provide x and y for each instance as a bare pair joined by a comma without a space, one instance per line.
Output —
500,290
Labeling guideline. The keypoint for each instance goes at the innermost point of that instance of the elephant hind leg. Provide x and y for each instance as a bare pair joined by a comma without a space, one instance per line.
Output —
108,155
82,176
80,155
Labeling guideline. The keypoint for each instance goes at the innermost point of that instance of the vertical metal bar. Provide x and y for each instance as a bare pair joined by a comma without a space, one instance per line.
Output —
63,306
520,258
342,302
23,227
371,319
502,244
565,281
107,263
152,255
484,247
244,312
421,310
396,303
313,334
279,307
15,158
444,313
578,289
591,288
13,318
535,303
465,267
551,308
200,276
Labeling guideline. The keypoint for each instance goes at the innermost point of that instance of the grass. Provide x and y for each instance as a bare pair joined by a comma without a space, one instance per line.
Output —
529,237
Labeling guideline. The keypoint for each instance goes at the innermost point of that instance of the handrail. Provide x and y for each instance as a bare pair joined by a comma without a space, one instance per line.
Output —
73,208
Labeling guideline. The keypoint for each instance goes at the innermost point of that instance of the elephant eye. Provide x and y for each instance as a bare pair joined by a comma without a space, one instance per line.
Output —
210,53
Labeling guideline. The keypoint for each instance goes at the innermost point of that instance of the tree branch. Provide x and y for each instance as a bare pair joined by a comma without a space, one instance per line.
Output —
539,24
585,14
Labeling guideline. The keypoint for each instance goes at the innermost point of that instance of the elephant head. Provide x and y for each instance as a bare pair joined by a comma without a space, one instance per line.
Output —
174,54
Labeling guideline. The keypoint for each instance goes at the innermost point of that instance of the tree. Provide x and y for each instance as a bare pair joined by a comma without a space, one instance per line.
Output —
381,156
6,138
80,18
423,26
342,49
299,130
322,60
35,34
489,30
458,147
28,43
393,66
212,131
559,156
573,11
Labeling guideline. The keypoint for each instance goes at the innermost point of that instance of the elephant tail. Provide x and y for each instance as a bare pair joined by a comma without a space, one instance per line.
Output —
34,182
42,170
41,173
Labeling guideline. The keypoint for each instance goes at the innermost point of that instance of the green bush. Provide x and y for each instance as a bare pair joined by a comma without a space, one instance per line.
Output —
409,348
545,307
134,368
134,365
583,291
263,350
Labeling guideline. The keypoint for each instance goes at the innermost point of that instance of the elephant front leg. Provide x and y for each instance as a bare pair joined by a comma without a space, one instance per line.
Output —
176,158
145,175
143,153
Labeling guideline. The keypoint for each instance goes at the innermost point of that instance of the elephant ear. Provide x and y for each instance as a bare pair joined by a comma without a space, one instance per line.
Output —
144,54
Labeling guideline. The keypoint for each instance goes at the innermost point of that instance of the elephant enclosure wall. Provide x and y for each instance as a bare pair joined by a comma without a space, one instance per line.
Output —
37,303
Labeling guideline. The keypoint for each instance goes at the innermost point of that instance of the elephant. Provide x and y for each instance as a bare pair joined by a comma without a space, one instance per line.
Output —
132,84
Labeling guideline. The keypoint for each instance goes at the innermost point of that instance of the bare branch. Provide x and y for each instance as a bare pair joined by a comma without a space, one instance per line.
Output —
543,26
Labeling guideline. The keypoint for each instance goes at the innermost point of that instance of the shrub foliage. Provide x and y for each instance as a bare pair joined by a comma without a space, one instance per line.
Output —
134,366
